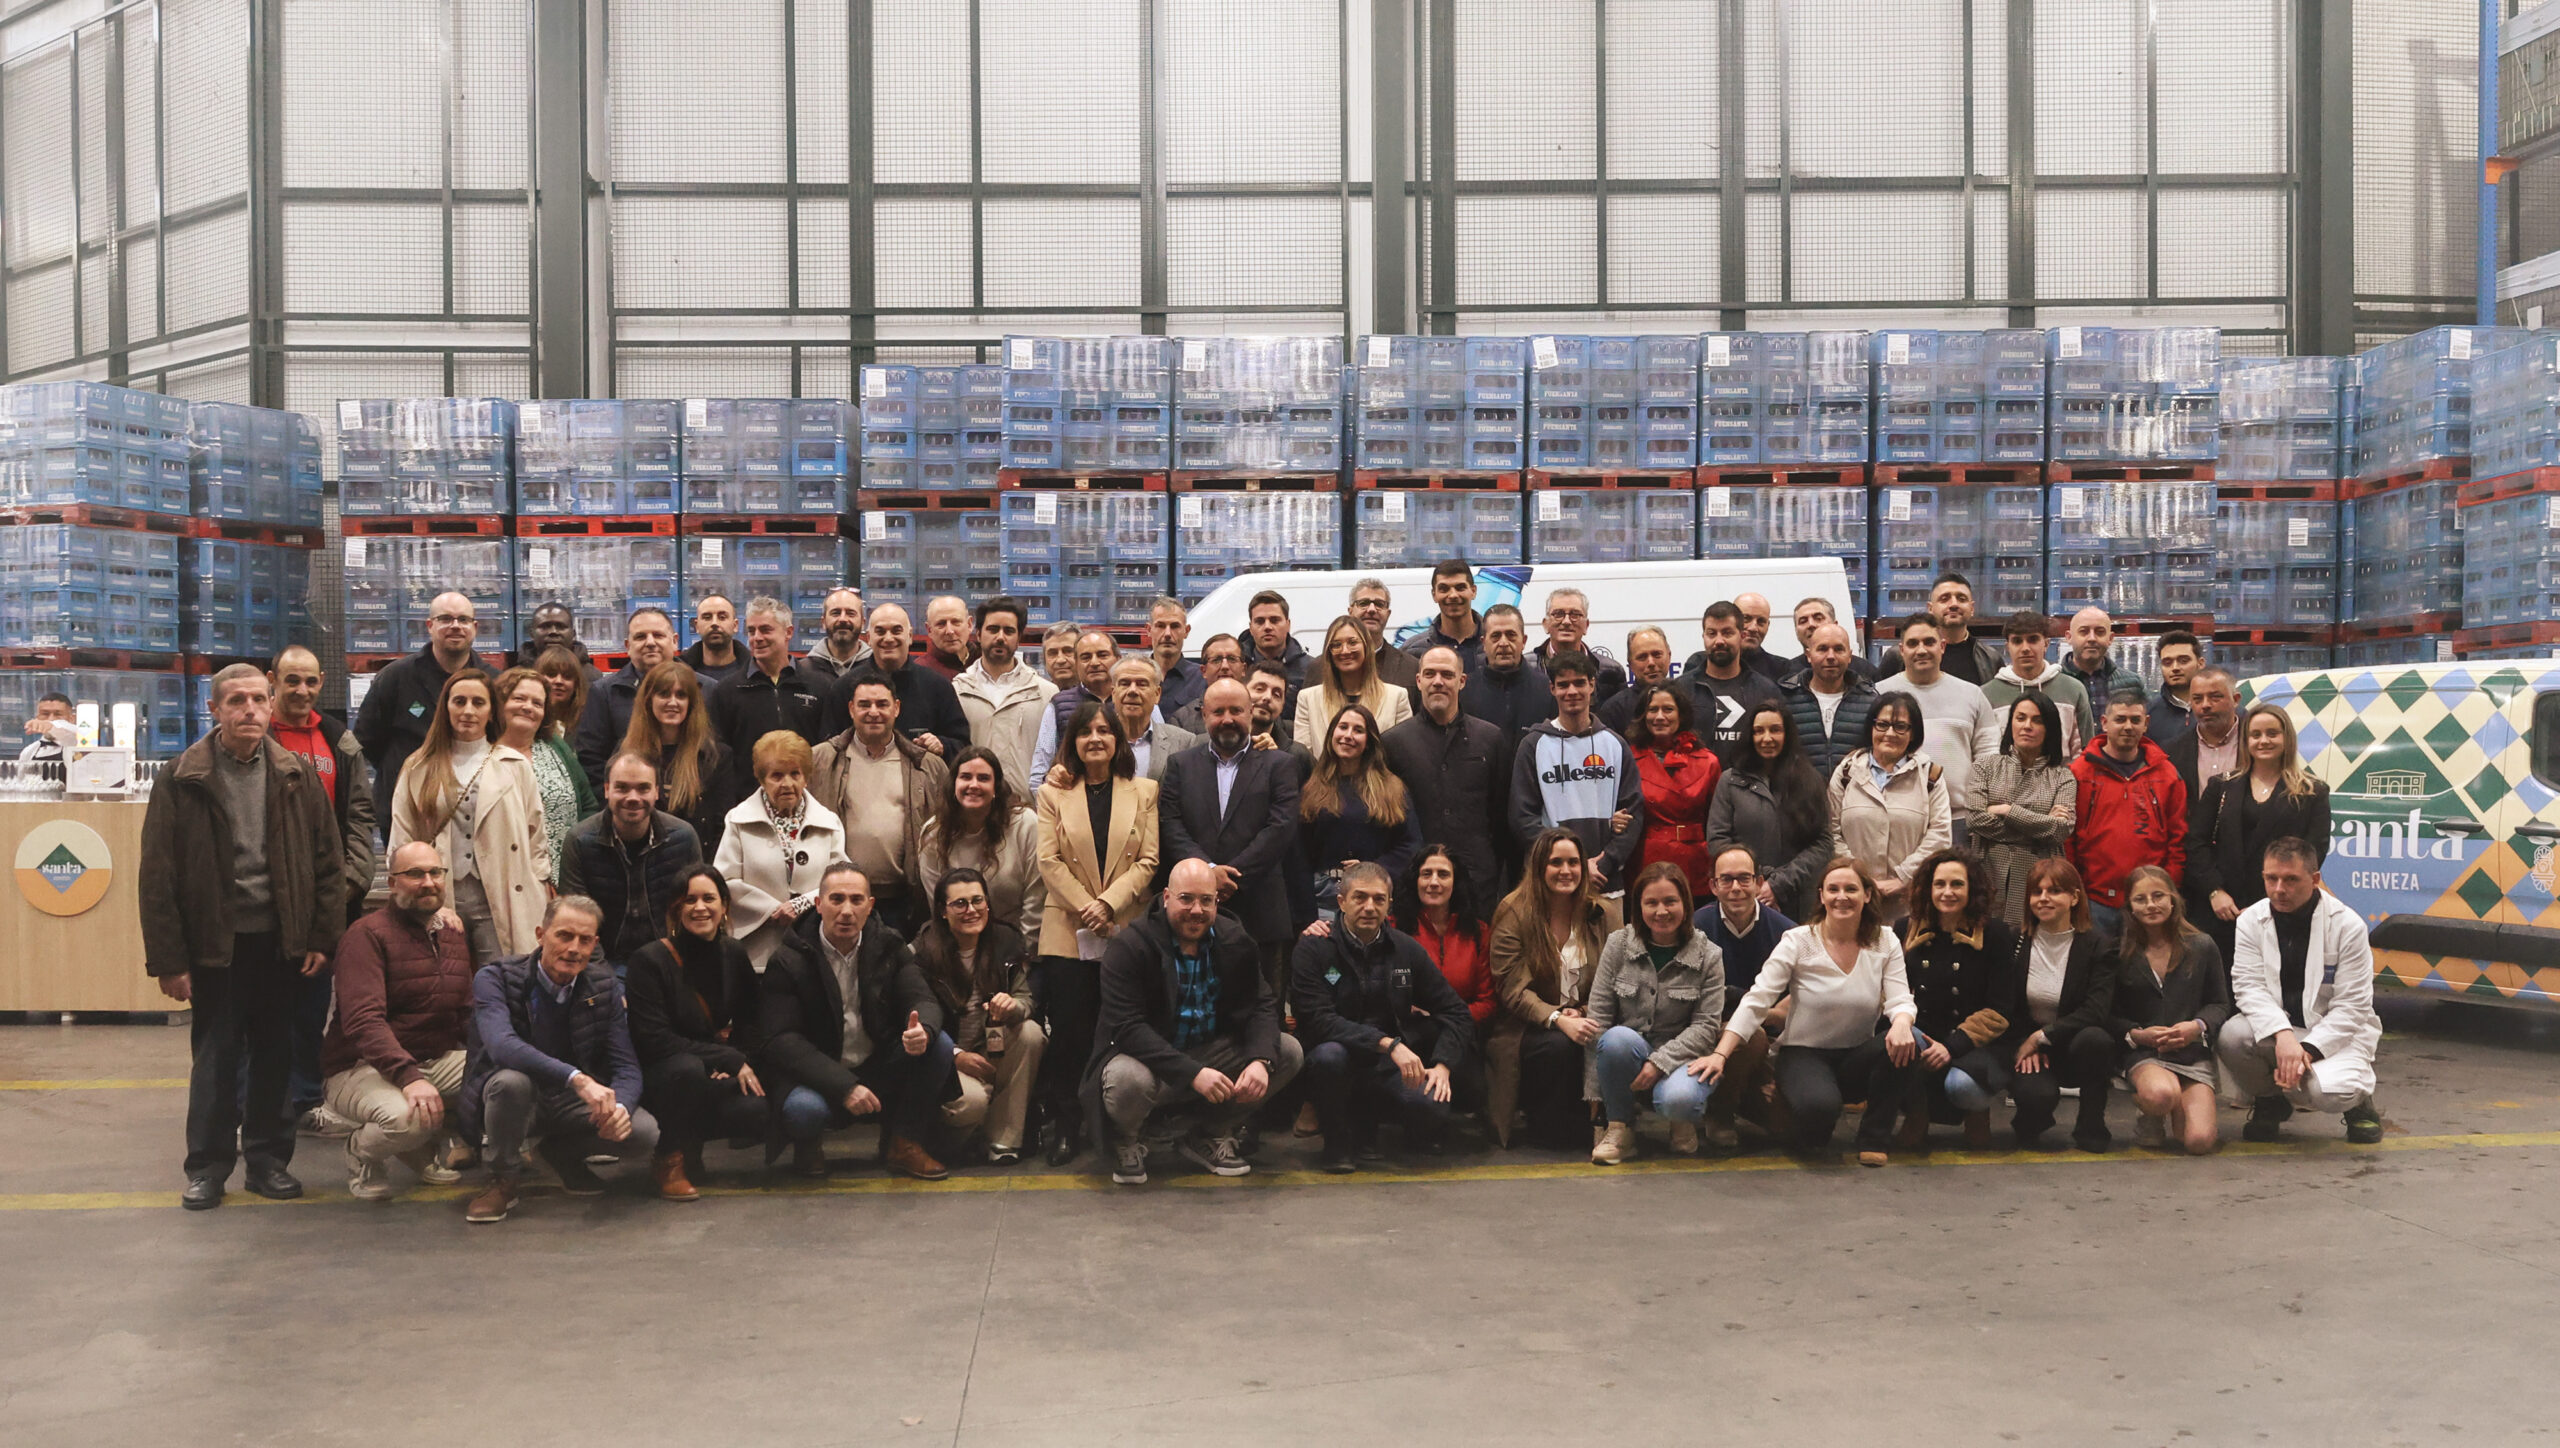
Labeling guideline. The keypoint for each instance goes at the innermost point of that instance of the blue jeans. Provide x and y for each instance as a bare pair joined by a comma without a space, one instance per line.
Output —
911,1091
804,1115
1622,1053
2108,920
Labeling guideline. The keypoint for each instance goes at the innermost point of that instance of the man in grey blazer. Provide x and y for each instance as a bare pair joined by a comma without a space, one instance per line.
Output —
1135,689
1236,807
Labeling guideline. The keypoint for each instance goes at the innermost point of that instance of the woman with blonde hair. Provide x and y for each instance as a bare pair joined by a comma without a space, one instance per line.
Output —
1353,809
567,797
476,799
776,846
2172,997
1547,935
1346,673
1845,972
671,729
2235,818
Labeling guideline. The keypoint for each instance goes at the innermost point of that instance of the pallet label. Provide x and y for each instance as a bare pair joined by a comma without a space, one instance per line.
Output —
350,414
1719,351
1195,354
1720,502
2297,533
1382,352
875,527
2551,513
711,552
2066,342
1897,505
1019,355
2458,346
1550,508
875,382
1392,509
1044,509
1542,352
537,564
355,552
1897,349
697,412
1193,514
2073,505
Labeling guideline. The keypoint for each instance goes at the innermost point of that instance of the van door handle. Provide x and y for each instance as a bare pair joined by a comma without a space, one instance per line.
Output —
2458,826
2539,832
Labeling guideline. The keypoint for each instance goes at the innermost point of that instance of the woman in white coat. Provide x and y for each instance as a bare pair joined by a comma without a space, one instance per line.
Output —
477,801
774,846
1890,807
2314,1049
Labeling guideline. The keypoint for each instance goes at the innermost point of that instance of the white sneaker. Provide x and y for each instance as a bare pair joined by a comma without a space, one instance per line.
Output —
1617,1144
428,1163
366,1180
1216,1154
321,1121
1130,1167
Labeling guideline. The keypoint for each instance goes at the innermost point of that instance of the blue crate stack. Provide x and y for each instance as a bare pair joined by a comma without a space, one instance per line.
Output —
1259,405
242,599
933,428
1613,525
2138,549
391,580
2285,419
913,555
2515,408
2413,404
1789,521
1429,405
1416,528
2275,563
87,444
601,579
1990,534
2402,552
1954,398
426,457
69,586
1085,557
2509,527
2133,395
764,455
1218,535
799,568
598,459
1090,404
252,465
1785,399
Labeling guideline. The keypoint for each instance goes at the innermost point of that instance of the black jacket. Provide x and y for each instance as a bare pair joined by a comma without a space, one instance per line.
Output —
750,706
1966,987
2228,832
594,863
1293,657
2088,990
1990,655
1720,710
1354,995
671,1017
605,720
1138,1007
1848,732
1613,677
713,675
1470,650
398,707
1258,833
1458,779
2199,990
803,1008
926,705
1509,701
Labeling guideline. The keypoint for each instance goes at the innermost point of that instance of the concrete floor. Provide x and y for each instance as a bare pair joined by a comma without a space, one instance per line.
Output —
2306,1293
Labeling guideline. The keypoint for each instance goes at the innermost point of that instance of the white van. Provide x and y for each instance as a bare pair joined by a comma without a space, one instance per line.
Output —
1624,596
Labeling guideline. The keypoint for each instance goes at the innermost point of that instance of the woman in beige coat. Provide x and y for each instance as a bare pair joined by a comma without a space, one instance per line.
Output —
477,801
1889,804
1347,673
1098,858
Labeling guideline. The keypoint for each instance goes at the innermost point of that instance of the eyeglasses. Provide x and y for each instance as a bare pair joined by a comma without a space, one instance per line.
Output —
427,872
1891,726
966,907
1744,878
448,620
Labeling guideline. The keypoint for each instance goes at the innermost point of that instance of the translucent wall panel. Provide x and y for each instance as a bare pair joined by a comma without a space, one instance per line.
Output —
920,93
1839,125
1062,253
1882,247
360,107
1254,251
1662,91
2223,88
1525,108
725,62
1061,86
1527,251
1254,93
700,252
2417,137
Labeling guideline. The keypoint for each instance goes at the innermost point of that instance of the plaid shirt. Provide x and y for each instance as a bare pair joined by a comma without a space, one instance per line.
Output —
1195,998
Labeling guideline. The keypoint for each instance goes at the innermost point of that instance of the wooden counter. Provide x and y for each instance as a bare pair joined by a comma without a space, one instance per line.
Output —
90,960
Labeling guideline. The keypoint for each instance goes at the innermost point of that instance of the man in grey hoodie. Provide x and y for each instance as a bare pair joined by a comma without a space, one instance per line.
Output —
2028,671
1574,773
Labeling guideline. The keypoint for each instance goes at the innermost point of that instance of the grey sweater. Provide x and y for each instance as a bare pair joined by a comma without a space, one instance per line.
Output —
242,788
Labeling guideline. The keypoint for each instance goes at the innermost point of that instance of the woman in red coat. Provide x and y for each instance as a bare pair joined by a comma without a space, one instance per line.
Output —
1679,776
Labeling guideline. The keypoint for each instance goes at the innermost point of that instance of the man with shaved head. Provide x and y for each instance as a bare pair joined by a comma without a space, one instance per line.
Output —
337,761
928,711
402,700
1190,1026
2087,659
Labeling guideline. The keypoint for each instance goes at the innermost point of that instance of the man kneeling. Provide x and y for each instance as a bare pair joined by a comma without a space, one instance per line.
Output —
1391,1037
1188,1023
393,1059
552,1055
2303,1031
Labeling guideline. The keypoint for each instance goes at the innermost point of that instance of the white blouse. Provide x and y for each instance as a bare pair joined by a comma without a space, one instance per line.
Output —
1833,1009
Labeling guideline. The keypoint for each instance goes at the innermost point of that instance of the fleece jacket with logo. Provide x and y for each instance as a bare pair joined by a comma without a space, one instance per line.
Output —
1577,781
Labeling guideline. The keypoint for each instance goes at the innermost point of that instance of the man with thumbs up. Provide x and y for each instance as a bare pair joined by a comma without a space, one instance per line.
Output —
852,1031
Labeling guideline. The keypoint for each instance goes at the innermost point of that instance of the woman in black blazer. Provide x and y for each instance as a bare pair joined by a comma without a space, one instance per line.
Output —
2171,999
2240,814
2066,979
694,1027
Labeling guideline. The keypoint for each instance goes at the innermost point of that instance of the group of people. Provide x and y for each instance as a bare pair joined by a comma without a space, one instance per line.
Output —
1145,901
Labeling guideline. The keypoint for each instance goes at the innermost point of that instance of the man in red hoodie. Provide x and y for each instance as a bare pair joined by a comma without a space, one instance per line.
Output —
2132,810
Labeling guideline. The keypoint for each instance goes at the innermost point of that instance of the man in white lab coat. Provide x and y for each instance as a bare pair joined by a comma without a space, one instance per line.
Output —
2303,1031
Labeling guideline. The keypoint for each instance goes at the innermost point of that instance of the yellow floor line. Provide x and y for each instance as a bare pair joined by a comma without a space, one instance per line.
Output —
101,1083
1097,1181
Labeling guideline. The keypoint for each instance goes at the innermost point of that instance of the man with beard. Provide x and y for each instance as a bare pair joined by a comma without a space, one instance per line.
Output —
1829,705
553,626
394,1055
1266,689
714,654
1455,770
1267,636
1005,699
844,646
1722,693
649,639
1961,656
1236,807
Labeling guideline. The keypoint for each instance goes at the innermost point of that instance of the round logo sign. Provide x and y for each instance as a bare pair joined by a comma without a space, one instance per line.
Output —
63,867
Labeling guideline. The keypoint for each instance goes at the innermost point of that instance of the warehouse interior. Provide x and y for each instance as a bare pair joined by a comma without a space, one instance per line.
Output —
2226,317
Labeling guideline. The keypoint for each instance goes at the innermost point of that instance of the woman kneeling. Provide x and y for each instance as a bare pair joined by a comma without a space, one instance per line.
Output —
1657,998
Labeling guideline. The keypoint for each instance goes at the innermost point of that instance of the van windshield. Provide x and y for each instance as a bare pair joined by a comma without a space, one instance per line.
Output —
2546,740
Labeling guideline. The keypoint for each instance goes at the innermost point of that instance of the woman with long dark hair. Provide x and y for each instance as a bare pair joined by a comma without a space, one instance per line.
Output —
984,826
2172,997
2067,995
475,799
1959,962
1438,907
1098,859
1353,809
694,1025
2024,802
1772,803
671,729
1679,778
979,967
1547,935
1889,804
567,797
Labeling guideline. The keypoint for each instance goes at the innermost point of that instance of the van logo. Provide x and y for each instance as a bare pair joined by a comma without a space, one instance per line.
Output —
2395,784
2546,872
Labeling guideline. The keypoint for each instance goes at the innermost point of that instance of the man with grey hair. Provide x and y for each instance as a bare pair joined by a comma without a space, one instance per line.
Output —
1648,662
1134,696
551,1053
1058,654
1568,626
1168,630
240,885
1388,1037
1371,607
772,694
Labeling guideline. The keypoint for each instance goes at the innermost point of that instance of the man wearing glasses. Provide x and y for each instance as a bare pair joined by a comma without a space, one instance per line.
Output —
402,700
394,1054
1745,930
1568,626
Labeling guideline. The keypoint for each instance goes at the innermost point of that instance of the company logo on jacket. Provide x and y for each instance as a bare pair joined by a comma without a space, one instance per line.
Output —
1592,767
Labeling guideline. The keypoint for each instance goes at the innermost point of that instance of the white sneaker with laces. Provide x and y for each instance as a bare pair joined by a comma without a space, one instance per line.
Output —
428,1163
1130,1167
321,1121
367,1181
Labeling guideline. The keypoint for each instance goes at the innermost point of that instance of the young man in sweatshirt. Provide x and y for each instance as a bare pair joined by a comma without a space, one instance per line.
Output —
1573,773
2029,672
1963,727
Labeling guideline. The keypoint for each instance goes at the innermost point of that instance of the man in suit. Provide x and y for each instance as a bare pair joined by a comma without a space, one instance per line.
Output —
1236,807
1135,690
2210,747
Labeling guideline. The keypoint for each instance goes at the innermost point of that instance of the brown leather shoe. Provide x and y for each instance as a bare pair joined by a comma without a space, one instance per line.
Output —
493,1203
1977,1131
909,1159
1912,1134
672,1183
